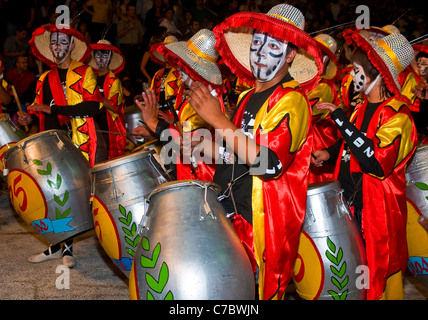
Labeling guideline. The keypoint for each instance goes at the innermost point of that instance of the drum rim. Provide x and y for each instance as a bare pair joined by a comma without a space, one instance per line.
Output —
321,187
170,185
112,163
32,137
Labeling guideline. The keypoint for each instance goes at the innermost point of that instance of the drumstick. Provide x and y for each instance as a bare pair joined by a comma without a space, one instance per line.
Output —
18,103
115,132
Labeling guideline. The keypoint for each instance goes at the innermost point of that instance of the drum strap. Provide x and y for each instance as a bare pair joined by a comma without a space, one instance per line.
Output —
354,193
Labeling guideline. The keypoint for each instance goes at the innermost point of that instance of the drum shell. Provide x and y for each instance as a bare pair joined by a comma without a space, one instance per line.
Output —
156,146
60,172
417,171
201,253
119,187
9,135
333,233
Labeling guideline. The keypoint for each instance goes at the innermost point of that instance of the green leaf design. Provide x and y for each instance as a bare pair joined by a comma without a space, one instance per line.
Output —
421,185
158,285
37,162
341,272
132,243
57,184
338,268
128,219
63,215
46,172
122,210
145,244
151,262
63,201
331,245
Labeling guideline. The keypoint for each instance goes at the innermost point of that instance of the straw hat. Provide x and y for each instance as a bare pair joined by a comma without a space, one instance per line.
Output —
158,57
117,60
328,45
390,55
284,22
197,56
40,43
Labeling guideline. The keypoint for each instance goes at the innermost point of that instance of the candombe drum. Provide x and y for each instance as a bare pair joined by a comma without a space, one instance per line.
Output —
119,187
417,206
9,135
49,185
188,248
331,250
133,119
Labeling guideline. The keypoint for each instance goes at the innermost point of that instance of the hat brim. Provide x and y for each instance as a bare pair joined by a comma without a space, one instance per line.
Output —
40,44
117,61
373,51
234,37
333,65
180,56
156,56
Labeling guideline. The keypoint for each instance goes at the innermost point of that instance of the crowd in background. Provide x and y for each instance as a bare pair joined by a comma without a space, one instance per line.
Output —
134,25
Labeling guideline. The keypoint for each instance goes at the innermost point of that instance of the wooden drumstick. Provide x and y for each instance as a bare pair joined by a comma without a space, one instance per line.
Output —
15,94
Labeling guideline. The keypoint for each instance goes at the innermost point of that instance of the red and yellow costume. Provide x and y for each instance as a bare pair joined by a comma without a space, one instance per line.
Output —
384,215
283,125
81,85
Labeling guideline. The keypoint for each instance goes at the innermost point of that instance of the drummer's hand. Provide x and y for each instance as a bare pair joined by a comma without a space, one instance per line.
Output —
164,116
206,105
24,119
149,109
142,132
326,105
188,145
40,108
318,157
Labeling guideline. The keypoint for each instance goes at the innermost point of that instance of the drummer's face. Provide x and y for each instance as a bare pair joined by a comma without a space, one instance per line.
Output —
267,56
59,45
359,78
187,80
102,58
422,64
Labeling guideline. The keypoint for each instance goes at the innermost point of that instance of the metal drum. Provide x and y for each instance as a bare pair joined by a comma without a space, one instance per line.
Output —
417,206
119,187
133,119
188,248
331,250
9,135
49,185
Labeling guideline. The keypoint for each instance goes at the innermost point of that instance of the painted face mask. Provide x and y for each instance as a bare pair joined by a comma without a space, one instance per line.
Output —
102,58
185,77
60,46
422,65
360,79
267,56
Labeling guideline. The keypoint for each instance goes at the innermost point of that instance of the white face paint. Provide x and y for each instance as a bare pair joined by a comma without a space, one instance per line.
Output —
359,78
60,45
102,58
422,65
267,56
185,77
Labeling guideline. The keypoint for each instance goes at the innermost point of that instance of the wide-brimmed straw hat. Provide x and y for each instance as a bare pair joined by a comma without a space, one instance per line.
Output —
390,55
328,45
117,60
197,57
283,22
158,57
40,43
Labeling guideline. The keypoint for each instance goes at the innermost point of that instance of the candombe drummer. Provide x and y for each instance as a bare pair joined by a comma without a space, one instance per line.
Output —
272,131
66,96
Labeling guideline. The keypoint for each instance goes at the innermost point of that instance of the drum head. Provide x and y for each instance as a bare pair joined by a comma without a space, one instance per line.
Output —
322,187
121,160
182,184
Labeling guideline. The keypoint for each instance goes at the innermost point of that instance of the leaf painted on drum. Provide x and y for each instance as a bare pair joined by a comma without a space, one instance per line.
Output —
37,162
337,296
158,285
331,258
63,201
151,262
421,185
340,273
331,245
46,172
340,284
131,242
122,210
128,220
56,185
63,215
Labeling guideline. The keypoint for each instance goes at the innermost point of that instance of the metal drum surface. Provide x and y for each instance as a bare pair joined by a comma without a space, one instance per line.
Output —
417,206
133,119
49,185
188,248
330,248
154,145
10,134
119,187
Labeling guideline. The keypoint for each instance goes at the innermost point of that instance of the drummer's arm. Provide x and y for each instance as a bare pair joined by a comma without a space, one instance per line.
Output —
84,109
361,147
